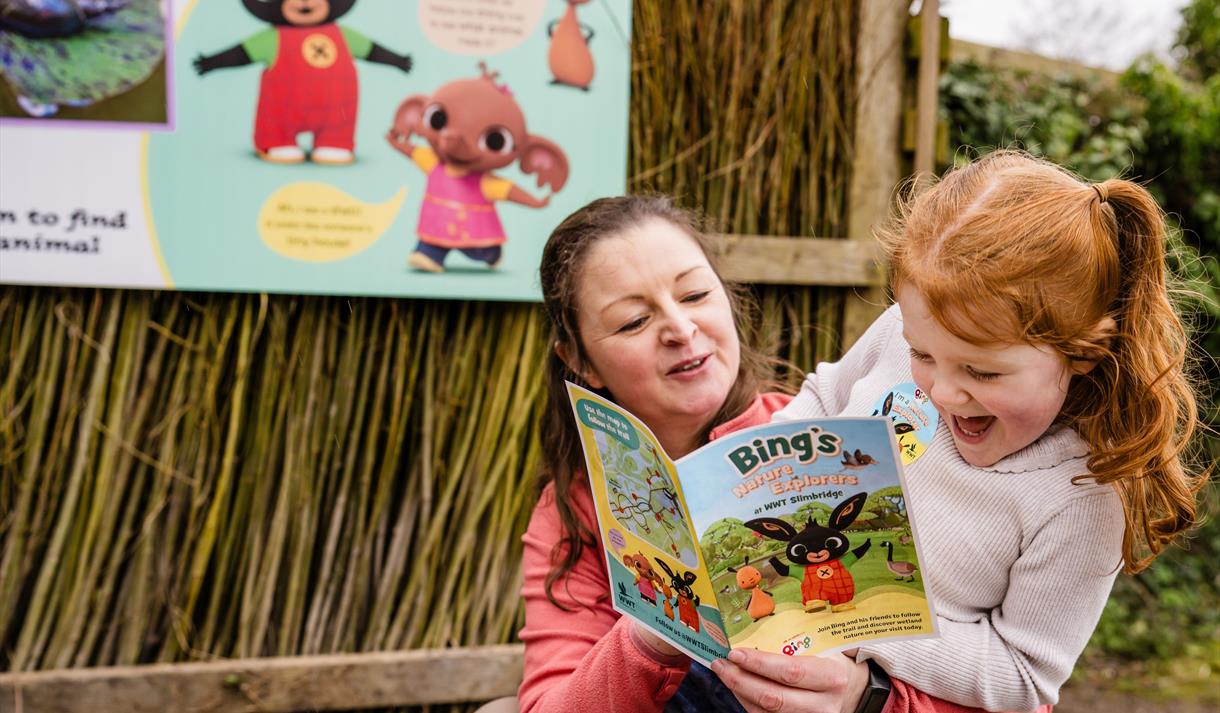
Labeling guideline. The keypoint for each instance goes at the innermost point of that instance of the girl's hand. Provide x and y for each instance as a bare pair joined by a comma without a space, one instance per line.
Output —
776,683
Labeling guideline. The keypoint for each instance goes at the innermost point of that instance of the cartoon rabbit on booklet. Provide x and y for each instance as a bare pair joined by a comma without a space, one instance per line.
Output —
822,552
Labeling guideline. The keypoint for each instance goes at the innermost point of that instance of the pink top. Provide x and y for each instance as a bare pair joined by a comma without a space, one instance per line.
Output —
456,213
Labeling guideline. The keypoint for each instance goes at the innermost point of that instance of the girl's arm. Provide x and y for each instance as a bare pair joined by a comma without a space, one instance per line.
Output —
826,391
588,658
1018,655
905,698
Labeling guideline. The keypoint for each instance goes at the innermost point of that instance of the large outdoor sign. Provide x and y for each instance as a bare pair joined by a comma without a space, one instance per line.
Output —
366,147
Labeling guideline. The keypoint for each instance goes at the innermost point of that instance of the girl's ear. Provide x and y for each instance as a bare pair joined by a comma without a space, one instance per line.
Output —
567,355
1107,327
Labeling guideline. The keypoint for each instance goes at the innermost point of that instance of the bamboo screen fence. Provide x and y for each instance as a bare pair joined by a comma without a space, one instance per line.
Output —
202,476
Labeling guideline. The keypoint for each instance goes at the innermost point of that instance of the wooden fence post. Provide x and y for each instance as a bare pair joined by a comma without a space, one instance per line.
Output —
877,166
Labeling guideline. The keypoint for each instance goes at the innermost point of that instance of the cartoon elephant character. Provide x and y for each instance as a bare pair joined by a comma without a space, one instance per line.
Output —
472,126
310,84
646,578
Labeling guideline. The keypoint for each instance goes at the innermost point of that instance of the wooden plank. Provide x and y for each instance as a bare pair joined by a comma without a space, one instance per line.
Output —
876,143
759,259
927,95
272,685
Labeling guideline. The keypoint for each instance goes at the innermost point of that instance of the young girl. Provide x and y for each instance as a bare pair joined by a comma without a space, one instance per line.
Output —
1033,317
639,313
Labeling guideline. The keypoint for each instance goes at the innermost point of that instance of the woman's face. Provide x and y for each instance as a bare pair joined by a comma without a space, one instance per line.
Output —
657,328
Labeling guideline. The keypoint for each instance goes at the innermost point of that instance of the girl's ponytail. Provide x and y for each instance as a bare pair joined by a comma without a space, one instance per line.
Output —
1142,420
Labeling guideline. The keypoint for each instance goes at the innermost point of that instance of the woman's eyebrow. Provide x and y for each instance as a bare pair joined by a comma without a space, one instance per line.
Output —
641,298
624,298
688,271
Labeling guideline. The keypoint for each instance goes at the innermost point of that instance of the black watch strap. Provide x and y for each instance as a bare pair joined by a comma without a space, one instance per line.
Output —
877,692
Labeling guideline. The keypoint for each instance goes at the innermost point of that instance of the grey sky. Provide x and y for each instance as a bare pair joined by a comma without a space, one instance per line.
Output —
1104,33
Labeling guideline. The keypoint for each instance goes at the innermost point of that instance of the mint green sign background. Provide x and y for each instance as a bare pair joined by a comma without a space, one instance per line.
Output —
207,187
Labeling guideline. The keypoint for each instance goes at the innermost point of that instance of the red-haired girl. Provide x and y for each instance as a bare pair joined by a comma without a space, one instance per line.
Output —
1032,312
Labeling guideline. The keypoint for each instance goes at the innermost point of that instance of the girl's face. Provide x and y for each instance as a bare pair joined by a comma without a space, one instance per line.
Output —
657,329
995,398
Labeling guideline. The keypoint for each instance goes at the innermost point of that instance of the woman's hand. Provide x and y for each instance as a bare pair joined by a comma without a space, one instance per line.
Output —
776,683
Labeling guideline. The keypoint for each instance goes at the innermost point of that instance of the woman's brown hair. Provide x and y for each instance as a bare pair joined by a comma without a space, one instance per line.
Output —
562,262
1011,248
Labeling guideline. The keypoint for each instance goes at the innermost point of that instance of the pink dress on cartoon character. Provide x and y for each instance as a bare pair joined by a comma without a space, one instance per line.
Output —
647,591
456,214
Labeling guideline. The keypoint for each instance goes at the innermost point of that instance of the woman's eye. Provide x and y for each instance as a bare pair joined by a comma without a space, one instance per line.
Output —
696,296
497,140
633,325
919,356
982,375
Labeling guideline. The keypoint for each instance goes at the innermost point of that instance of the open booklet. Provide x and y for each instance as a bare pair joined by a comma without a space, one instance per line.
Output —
792,537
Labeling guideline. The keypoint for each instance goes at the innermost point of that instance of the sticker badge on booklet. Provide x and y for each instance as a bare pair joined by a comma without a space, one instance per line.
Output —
914,417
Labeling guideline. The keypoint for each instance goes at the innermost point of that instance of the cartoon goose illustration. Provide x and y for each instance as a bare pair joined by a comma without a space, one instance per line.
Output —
901,569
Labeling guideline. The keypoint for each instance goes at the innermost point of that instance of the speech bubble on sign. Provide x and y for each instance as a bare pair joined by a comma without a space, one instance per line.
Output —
317,222
595,416
479,27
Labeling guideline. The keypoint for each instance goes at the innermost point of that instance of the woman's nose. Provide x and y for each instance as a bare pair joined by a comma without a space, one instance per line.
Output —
678,328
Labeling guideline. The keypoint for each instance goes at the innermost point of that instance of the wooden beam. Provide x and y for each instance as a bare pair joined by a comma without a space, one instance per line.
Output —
927,96
876,142
273,685
759,259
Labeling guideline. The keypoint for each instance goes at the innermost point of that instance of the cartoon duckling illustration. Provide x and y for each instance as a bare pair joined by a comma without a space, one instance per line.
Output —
903,570
749,579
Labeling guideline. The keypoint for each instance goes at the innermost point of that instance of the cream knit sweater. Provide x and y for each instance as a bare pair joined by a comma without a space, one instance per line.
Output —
1018,560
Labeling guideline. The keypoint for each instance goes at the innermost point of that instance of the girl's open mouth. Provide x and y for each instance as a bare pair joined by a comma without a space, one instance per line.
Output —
972,428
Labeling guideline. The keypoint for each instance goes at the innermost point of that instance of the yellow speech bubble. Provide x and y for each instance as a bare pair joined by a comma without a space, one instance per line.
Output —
317,222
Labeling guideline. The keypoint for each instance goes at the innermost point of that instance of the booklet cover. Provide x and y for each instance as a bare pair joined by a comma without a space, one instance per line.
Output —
793,537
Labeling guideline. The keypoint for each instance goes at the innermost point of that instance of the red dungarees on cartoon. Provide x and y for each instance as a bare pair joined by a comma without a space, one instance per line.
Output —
311,86
829,581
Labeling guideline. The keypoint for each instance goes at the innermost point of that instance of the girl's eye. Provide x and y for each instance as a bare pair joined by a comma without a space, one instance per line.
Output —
919,356
981,375
696,296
